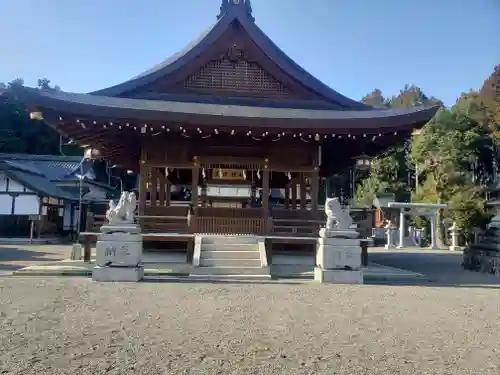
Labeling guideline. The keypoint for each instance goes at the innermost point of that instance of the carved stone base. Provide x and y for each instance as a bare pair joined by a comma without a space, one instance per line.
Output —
121,228
338,276
338,257
118,274
338,253
333,233
119,249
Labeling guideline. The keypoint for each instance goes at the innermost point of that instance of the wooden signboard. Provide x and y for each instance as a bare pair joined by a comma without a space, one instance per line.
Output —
228,174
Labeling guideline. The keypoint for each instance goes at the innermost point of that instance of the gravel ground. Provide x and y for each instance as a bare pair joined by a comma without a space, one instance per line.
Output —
74,326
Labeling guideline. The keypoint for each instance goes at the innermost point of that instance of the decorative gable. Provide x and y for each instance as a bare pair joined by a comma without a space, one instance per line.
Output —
235,73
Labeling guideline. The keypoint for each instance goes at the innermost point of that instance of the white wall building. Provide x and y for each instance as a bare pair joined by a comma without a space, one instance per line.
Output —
39,194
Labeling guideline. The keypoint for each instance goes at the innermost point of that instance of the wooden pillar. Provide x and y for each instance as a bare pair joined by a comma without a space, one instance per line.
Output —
265,192
162,186
194,183
287,196
253,194
314,190
143,180
302,191
168,193
153,191
293,186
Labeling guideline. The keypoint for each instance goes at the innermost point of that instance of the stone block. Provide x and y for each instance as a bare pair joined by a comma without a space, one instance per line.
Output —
332,233
338,257
338,276
117,274
76,252
340,242
119,250
121,228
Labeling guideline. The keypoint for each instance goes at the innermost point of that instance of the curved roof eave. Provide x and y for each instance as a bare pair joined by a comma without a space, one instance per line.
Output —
210,36
92,105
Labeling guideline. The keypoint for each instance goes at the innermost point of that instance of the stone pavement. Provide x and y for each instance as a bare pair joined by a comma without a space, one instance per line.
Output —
402,266
17,256
441,267
160,265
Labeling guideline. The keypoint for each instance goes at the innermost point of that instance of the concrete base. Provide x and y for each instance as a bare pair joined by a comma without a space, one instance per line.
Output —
121,228
118,274
119,249
389,246
455,248
338,257
338,233
338,276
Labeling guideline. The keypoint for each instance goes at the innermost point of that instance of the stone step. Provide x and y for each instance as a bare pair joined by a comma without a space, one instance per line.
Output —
229,240
224,246
224,262
232,272
229,254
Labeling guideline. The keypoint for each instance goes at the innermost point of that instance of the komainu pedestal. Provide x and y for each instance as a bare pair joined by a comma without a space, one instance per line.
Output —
119,247
338,253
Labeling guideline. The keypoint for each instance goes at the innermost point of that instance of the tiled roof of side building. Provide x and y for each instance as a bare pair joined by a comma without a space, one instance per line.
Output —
41,173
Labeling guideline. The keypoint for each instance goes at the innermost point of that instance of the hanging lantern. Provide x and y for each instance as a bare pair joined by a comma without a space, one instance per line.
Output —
244,174
203,173
258,174
166,172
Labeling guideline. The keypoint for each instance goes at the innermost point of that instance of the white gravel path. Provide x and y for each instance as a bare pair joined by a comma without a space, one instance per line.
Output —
75,326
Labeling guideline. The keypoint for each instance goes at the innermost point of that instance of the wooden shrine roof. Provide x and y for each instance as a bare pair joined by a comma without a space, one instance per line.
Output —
305,102
235,14
317,120
233,80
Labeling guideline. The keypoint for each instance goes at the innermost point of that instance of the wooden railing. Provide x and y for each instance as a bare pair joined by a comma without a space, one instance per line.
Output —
229,225
149,224
296,228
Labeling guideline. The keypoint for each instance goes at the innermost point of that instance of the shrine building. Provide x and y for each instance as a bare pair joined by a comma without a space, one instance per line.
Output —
231,110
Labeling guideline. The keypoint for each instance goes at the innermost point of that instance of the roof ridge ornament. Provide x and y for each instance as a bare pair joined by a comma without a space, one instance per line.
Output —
241,6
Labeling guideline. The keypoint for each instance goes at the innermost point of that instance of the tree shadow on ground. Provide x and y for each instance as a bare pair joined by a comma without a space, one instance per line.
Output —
21,256
440,269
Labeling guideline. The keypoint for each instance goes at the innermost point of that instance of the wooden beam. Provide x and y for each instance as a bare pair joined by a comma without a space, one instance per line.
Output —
143,180
265,192
153,190
163,187
195,173
169,193
302,191
314,190
287,196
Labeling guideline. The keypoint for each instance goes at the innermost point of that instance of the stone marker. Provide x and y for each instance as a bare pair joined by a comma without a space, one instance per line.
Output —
389,235
454,233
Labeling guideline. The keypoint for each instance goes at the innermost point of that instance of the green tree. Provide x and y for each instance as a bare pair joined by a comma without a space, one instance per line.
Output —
19,134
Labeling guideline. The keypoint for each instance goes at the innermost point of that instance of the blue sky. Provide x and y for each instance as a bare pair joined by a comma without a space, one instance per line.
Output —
444,46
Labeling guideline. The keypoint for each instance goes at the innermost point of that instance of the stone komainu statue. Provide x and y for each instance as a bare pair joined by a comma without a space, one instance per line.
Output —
124,210
338,218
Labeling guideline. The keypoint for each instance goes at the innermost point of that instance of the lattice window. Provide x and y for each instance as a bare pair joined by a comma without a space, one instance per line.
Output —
233,73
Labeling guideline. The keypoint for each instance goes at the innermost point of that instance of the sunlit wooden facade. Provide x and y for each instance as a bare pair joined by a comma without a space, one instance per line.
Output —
230,109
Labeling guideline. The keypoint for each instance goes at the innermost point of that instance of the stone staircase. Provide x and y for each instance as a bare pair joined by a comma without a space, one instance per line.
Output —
230,257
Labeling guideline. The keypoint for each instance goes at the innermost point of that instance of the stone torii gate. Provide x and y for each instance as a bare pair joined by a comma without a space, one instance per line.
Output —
415,209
